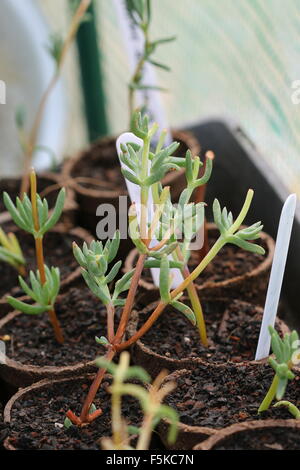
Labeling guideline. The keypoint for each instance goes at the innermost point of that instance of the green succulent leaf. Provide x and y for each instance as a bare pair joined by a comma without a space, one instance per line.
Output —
55,47
160,65
98,290
118,302
131,177
19,221
173,418
123,284
247,246
186,310
102,340
155,263
136,372
164,279
114,247
27,290
68,423
281,388
133,430
21,213
218,215
25,308
113,273
57,211
105,364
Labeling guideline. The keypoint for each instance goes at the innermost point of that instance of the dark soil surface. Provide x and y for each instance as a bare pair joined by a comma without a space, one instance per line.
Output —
101,163
81,316
12,187
3,428
37,419
266,439
57,251
234,339
220,396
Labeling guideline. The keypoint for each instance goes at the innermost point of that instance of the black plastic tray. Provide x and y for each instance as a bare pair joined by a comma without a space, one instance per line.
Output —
238,166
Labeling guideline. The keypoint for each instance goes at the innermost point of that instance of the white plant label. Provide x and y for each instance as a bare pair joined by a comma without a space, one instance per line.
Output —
276,277
134,42
135,195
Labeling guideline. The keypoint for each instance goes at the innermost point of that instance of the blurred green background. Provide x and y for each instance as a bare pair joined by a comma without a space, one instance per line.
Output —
233,59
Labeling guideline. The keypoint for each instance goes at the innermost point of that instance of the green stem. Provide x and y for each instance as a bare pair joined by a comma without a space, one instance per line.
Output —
197,308
116,417
136,78
222,240
270,395
292,408
145,433
198,270
243,213
144,189
161,306
194,299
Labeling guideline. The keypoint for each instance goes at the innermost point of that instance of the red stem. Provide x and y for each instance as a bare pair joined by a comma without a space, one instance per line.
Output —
130,299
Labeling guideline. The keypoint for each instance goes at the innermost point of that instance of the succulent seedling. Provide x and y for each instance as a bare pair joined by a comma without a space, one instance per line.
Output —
33,217
146,169
150,399
94,261
285,351
11,252
140,13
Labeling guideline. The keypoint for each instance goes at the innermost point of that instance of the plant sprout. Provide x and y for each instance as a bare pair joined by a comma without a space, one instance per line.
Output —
94,260
284,351
58,49
150,399
33,217
291,408
140,13
11,252
146,169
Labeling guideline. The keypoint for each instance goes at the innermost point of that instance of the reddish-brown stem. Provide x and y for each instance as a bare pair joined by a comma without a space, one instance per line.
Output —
40,256
22,270
143,330
84,415
73,418
110,322
40,259
130,299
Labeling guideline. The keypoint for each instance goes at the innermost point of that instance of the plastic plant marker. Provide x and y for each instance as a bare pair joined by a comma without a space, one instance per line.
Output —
134,43
135,196
276,277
